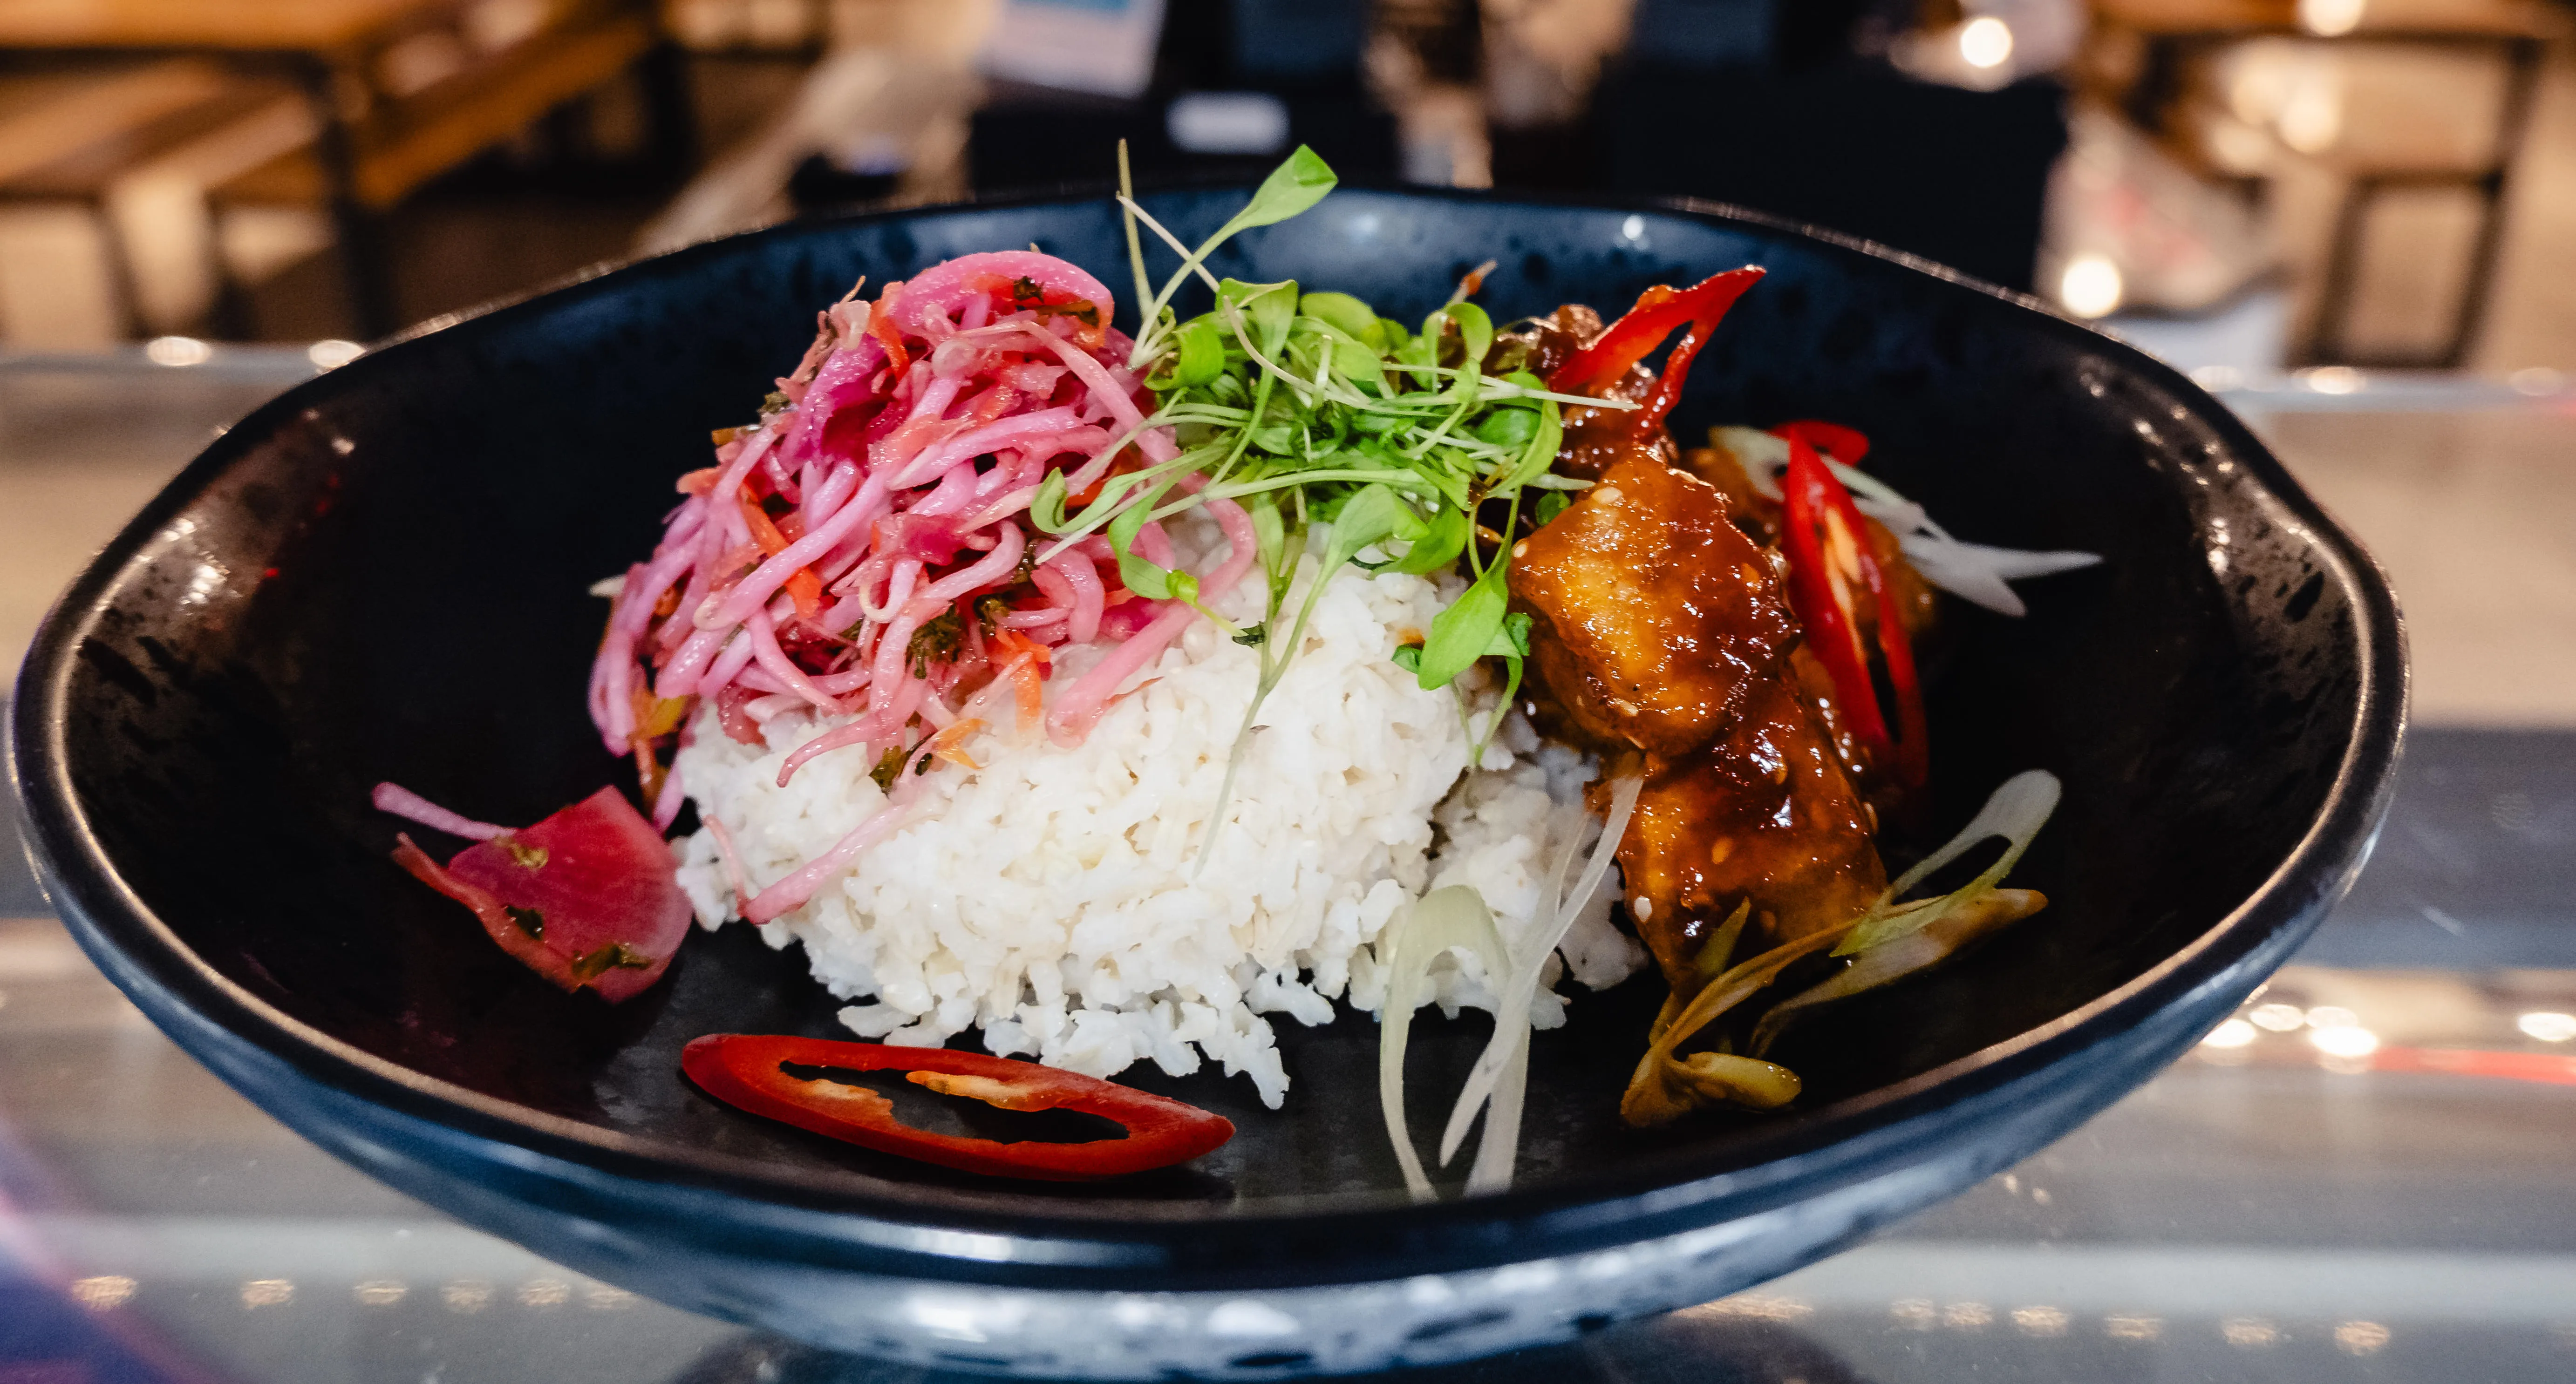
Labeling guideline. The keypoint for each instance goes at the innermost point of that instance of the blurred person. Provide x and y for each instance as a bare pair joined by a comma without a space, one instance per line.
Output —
1543,57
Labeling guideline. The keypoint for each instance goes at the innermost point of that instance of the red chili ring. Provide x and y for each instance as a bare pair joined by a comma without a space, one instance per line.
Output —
744,1071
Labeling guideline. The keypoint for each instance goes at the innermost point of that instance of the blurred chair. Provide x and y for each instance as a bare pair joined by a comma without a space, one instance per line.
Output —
769,27
95,141
396,92
2133,228
442,97
2385,97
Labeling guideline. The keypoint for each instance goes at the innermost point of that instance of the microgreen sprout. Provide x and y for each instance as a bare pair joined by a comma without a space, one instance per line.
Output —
1314,408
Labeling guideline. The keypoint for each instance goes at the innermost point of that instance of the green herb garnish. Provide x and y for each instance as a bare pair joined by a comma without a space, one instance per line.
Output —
936,641
889,764
989,612
1029,295
530,921
1311,408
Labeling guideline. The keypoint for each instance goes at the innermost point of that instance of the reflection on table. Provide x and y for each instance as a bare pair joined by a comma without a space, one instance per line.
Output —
2364,1164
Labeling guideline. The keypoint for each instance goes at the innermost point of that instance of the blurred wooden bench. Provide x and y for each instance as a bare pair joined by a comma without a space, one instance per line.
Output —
70,138
380,133
2161,42
403,141
409,141
2497,18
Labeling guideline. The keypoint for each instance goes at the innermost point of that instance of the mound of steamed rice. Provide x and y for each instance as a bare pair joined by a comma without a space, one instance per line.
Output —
1054,898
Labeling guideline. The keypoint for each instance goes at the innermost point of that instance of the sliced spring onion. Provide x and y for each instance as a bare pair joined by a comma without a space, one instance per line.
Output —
1890,940
1747,1081
1508,1050
2016,812
1720,947
1440,921
1652,1097
1893,961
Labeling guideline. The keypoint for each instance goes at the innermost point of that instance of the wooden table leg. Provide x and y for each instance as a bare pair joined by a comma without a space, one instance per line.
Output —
365,263
2325,342
2522,82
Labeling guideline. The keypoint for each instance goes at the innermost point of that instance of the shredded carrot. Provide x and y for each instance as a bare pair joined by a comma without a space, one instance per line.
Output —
700,481
804,587
656,717
883,329
764,530
1018,645
944,746
1132,691
648,772
1128,460
1031,703
806,590
994,401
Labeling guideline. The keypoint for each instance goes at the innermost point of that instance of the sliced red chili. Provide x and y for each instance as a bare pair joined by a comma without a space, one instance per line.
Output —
1846,445
1913,746
1819,591
1827,543
745,1071
1913,743
1635,335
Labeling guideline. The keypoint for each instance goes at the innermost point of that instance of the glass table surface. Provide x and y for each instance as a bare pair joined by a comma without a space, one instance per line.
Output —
2368,1175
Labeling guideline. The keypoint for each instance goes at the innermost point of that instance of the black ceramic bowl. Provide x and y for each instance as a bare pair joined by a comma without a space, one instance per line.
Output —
381,575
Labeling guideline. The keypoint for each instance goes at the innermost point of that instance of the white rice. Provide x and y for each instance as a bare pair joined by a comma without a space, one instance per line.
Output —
1052,897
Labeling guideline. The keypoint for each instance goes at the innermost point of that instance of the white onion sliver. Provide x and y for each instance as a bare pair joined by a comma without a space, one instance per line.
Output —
1511,1012
1976,572
1443,920
1971,571
402,802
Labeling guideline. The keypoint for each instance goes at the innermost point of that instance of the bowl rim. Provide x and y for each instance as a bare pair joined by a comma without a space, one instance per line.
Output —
999,1235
